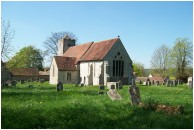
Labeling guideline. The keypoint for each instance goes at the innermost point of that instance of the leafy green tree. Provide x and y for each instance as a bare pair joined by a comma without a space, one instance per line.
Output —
182,57
27,57
138,68
160,61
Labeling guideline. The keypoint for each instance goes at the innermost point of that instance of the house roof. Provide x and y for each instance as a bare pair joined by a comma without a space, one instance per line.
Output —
25,72
44,72
143,79
160,79
65,63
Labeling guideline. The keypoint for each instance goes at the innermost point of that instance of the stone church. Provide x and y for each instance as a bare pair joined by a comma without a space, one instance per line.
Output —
92,63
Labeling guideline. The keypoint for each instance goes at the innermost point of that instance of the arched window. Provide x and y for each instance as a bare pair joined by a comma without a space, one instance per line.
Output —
118,66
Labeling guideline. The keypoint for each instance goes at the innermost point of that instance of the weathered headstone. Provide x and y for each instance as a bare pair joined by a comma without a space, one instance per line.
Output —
101,87
120,84
5,84
145,83
22,81
168,83
13,83
112,87
113,94
135,95
140,82
174,83
59,86
157,83
153,82
190,82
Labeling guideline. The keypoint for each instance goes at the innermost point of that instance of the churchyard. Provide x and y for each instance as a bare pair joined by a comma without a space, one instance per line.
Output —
41,105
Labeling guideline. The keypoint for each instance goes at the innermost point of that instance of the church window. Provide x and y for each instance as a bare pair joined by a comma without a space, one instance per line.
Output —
118,66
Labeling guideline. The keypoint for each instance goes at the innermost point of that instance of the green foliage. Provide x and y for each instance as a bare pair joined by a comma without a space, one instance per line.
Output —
27,57
82,107
182,56
138,68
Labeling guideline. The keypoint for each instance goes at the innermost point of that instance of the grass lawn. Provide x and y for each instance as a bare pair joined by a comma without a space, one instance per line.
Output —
82,107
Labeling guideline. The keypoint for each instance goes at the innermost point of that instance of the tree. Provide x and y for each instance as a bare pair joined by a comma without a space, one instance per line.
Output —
138,68
182,57
7,35
160,61
51,42
27,57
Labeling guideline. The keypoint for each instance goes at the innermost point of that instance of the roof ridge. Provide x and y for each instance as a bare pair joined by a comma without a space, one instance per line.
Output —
86,50
106,40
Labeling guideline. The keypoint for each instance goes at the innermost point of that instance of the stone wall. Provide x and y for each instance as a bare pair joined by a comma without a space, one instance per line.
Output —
91,73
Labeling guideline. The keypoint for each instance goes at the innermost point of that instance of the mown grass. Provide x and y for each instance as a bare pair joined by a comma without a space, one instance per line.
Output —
82,107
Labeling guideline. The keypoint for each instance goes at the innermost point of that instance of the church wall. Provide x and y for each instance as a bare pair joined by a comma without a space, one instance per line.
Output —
91,73
128,70
53,72
68,77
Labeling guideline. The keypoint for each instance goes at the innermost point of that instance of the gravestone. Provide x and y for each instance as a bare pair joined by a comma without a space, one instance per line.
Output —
81,85
112,87
140,82
101,91
145,83
153,82
120,84
5,84
174,83
59,86
113,94
180,82
135,95
13,83
157,83
190,82
30,86
168,83
148,82
42,80
22,81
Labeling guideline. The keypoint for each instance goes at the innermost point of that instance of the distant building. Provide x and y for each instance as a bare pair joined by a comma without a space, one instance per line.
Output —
92,63
5,74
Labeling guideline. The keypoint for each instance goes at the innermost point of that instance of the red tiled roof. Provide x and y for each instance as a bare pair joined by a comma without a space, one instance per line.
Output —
77,51
25,72
98,50
65,63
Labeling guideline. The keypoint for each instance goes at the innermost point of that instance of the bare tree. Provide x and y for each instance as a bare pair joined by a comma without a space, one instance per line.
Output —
7,35
160,60
51,42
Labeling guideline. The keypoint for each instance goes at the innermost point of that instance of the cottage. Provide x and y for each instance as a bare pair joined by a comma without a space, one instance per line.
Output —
92,63
24,74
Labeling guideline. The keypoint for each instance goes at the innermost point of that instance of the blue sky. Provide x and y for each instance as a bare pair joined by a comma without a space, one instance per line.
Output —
142,26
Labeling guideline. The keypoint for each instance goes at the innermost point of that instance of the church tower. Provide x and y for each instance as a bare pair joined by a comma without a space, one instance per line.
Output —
64,44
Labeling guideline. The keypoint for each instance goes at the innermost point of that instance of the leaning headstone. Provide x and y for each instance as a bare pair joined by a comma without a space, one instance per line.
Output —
113,94
59,86
135,95
13,83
